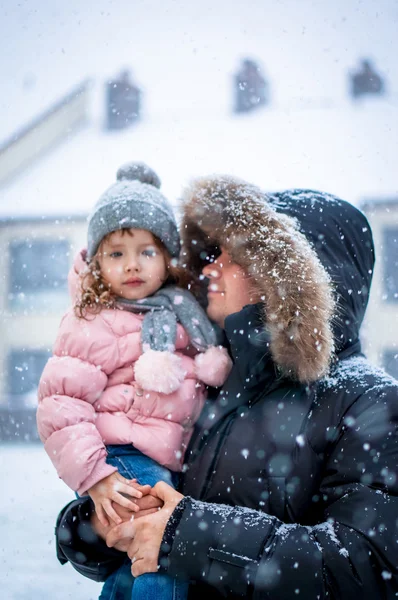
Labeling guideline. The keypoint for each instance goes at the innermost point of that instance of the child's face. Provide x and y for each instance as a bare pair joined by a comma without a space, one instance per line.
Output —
132,264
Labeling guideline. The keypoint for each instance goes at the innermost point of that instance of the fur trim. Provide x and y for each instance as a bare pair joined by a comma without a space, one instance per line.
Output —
159,371
213,366
284,269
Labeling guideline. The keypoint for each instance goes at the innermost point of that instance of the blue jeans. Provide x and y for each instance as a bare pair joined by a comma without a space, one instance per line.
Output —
121,585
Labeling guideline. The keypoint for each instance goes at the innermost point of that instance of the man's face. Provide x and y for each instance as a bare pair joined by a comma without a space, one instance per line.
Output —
132,264
228,290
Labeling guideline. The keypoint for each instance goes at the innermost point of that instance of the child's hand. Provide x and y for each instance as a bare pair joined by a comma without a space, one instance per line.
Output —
110,489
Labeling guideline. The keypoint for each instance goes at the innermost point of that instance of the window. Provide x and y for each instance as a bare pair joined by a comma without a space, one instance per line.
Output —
390,264
390,362
38,274
25,367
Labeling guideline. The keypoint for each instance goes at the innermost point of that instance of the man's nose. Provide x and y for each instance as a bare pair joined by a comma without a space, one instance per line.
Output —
212,271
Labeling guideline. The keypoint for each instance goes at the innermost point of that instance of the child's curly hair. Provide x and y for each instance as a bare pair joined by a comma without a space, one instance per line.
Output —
96,294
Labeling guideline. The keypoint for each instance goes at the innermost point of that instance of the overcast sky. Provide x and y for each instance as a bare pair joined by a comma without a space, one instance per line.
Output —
183,52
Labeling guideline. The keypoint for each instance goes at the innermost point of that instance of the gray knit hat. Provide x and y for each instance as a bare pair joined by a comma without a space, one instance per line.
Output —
134,201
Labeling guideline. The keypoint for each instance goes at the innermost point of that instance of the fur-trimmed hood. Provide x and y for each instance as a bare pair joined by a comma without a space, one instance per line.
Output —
342,238
295,288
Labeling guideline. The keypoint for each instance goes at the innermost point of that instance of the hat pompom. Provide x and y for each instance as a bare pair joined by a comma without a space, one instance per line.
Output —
157,371
138,171
213,366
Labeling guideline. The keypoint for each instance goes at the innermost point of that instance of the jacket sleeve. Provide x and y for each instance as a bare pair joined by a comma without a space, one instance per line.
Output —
351,550
77,543
68,387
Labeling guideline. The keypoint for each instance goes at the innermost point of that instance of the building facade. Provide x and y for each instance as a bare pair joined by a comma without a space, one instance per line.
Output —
35,257
380,331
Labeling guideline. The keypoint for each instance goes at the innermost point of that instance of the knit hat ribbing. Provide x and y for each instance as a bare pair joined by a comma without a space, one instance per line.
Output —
134,201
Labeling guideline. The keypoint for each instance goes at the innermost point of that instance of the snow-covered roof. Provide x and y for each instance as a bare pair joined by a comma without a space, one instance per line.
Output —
347,150
183,55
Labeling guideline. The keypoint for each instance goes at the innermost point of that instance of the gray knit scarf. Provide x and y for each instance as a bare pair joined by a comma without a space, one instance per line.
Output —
164,309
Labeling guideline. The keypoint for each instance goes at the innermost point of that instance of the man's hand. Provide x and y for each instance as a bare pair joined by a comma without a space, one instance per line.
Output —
147,505
142,537
114,489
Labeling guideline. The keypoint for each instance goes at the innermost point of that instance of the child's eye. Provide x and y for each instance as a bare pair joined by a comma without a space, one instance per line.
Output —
115,254
149,252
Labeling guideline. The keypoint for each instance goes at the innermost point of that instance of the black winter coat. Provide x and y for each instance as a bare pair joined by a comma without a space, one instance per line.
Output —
291,490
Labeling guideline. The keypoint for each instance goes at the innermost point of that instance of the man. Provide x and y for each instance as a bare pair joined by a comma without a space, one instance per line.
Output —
290,487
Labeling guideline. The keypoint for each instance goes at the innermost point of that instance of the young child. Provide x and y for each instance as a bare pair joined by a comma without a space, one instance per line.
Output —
119,397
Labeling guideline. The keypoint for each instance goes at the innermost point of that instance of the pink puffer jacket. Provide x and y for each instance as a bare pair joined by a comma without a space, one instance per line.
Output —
89,398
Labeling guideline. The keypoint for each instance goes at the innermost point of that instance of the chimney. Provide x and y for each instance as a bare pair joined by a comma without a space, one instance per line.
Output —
123,102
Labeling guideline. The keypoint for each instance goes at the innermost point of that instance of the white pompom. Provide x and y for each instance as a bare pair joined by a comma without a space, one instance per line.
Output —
213,366
159,371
